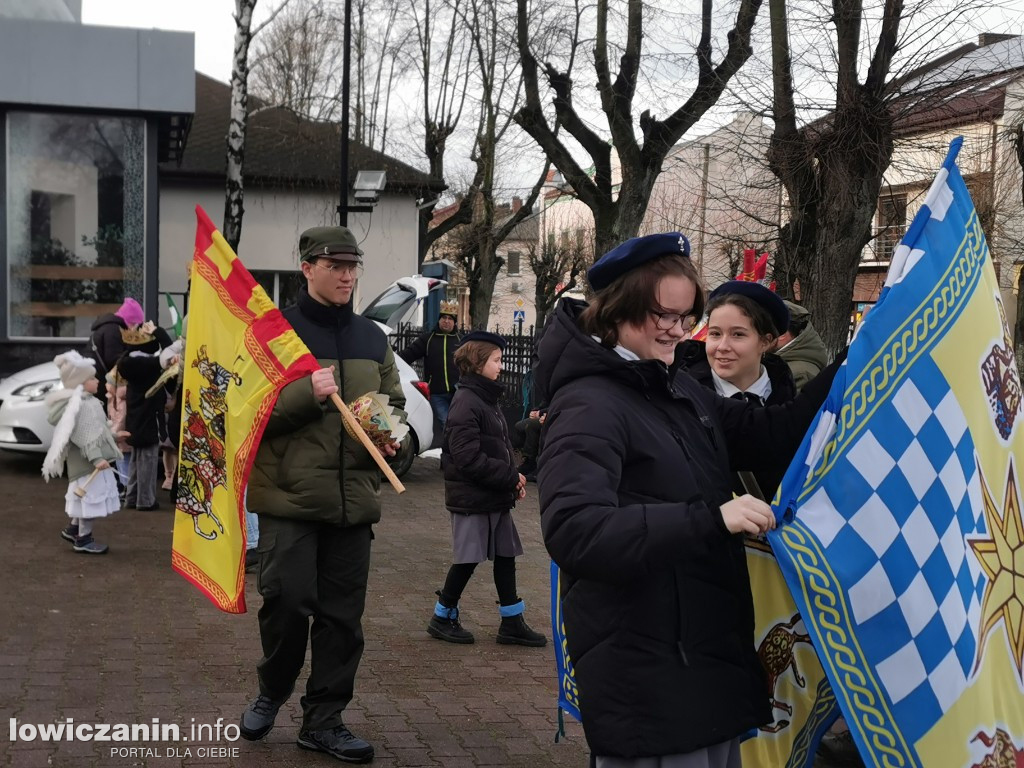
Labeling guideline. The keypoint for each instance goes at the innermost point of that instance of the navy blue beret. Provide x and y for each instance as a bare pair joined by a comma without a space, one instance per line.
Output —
763,295
632,253
485,336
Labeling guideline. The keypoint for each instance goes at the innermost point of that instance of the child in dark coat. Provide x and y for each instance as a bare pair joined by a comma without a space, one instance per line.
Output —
481,487
149,351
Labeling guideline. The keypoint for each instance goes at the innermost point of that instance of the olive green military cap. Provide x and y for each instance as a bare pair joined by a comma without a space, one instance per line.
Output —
335,242
795,310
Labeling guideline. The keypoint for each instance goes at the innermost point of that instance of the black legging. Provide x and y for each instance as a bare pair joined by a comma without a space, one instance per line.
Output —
460,573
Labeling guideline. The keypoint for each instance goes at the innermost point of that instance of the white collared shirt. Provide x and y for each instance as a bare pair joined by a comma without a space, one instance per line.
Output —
762,387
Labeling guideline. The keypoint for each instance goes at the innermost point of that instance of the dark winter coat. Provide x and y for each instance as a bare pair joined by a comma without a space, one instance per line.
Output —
480,474
144,416
693,360
658,611
438,352
307,466
105,343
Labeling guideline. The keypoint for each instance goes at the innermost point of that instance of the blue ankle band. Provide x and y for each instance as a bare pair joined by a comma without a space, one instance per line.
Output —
444,612
512,610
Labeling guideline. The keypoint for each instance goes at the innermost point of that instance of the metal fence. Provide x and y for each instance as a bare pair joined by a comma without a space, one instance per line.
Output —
517,359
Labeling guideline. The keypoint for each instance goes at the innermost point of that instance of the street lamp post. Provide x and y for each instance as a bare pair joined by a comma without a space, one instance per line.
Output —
368,184
345,63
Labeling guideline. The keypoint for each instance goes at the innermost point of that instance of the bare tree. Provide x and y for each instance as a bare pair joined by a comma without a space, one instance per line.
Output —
234,192
618,212
478,45
297,62
557,266
885,80
443,57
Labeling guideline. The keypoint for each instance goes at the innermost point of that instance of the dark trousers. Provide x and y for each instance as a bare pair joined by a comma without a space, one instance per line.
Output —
526,437
319,570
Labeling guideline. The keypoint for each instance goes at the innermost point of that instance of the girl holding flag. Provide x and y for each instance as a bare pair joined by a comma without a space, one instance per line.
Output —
638,511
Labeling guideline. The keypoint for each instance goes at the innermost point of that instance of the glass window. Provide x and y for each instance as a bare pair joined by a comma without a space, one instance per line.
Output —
75,220
281,287
892,224
513,262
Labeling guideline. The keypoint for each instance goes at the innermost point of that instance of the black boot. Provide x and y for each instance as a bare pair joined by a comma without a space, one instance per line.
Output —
515,631
444,625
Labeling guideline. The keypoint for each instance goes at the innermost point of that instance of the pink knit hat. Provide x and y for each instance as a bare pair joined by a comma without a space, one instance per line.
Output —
131,312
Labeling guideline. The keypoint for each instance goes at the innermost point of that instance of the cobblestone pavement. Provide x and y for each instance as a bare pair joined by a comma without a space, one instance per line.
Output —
121,638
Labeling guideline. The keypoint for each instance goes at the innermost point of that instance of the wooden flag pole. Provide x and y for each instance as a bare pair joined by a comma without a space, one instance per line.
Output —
358,431
80,490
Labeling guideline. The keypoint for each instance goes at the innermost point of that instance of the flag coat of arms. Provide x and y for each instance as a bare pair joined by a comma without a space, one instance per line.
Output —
900,533
239,353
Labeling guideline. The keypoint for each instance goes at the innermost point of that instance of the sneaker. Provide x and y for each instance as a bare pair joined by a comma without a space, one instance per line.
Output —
449,629
258,718
838,750
515,631
152,507
88,546
337,742
70,533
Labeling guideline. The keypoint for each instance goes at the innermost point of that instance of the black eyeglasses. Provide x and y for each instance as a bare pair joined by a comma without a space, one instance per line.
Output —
665,321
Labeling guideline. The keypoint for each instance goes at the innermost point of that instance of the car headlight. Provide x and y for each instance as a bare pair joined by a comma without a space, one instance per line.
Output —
37,390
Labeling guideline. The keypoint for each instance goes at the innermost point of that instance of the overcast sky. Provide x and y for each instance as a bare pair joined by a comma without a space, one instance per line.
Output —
210,20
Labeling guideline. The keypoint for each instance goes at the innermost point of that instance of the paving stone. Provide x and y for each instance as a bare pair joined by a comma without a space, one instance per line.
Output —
123,639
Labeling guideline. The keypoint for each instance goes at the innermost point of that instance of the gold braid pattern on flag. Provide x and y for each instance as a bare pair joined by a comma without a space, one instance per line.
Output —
847,660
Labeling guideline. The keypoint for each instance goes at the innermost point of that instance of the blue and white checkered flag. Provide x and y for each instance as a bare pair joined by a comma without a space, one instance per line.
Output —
901,534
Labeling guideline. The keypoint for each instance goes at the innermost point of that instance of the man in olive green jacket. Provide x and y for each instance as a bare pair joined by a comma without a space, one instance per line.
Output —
801,346
317,493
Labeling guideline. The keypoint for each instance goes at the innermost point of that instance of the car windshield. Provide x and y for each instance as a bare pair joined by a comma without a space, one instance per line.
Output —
390,307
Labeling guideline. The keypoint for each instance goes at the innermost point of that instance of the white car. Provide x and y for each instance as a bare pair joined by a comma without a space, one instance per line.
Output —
23,424
24,427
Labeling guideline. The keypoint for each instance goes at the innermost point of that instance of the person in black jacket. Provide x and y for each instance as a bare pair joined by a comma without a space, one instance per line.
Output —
105,342
481,486
637,510
437,348
744,319
148,351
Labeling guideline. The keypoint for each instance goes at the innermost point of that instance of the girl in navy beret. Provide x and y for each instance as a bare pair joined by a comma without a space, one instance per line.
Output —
637,509
735,360
481,486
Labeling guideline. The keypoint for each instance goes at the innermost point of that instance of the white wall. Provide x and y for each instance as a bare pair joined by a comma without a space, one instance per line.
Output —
271,227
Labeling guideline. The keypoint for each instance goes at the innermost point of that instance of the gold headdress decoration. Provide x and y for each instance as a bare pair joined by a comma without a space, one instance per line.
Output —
135,337
450,308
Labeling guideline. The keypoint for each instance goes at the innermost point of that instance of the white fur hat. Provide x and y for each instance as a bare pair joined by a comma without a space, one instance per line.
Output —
74,369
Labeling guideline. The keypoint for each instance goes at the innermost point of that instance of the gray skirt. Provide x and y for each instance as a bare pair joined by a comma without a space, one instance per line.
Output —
476,538
724,755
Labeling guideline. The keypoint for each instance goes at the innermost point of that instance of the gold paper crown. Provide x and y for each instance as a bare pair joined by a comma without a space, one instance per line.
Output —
450,308
135,337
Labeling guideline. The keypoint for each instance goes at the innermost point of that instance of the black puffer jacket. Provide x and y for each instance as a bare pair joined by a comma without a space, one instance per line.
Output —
693,359
480,474
105,344
657,604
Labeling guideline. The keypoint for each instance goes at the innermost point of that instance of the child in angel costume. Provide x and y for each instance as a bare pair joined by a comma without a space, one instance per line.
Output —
83,441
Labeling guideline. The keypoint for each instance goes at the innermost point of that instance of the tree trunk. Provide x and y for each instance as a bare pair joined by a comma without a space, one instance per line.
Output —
234,189
481,285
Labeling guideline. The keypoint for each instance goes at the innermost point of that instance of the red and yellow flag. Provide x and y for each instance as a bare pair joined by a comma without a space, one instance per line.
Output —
240,352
